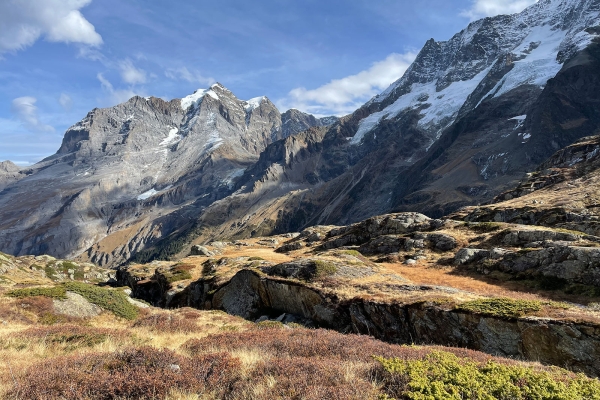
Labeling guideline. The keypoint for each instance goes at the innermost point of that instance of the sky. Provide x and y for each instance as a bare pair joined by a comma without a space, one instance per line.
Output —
59,59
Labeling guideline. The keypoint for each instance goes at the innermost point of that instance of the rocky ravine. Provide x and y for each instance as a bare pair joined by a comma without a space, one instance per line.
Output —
320,277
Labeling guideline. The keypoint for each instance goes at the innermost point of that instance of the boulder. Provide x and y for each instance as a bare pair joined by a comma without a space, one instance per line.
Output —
442,241
467,256
198,250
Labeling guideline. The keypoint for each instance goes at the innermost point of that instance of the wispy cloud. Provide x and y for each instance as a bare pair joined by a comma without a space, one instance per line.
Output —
342,96
25,110
116,96
22,22
65,101
185,74
130,74
490,8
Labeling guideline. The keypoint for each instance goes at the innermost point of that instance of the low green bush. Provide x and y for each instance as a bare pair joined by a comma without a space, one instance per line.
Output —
56,292
179,272
112,300
501,307
324,268
485,226
50,272
444,376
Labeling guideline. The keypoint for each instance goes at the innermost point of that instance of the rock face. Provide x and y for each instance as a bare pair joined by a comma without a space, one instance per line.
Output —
247,294
127,176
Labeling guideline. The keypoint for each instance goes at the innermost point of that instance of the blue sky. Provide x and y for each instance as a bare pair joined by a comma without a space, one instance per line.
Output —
61,58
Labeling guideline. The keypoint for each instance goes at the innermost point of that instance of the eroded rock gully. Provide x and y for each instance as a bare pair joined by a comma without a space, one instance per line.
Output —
250,293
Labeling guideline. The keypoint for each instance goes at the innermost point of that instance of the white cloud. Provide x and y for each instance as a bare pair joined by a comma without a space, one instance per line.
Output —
190,76
490,8
25,110
116,96
130,74
342,96
65,101
22,22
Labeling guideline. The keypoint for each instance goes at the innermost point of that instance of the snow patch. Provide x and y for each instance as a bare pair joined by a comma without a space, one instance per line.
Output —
195,98
147,195
231,177
520,121
172,138
539,65
252,104
443,106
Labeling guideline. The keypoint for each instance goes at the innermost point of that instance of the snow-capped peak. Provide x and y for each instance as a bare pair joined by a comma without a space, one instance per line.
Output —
254,103
534,43
195,98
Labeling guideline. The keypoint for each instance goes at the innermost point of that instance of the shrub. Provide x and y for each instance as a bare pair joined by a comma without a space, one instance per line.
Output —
501,307
166,322
50,272
485,226
55,292
179,272
442,375
144,373
269,325
324,268
71,336
114,301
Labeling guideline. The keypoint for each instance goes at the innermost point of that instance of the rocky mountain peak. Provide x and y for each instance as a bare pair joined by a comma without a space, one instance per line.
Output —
8,167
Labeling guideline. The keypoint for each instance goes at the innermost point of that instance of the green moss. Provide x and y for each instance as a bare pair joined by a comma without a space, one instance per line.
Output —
112,300
255,259
444,376
269,325
354,253
50,272
179,272
501,307
485,226
52,319
582,290
324,268
79,275
56,292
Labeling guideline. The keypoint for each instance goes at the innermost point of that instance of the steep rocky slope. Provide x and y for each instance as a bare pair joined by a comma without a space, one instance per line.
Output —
132,174
562,192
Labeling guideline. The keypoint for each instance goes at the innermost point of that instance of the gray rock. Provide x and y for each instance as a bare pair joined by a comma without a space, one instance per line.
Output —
76,305
466,255
290,247
410,261
198,250
442,241
280,318
262,318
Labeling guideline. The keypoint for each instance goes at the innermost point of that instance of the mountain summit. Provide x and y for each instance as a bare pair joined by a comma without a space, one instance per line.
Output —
121,169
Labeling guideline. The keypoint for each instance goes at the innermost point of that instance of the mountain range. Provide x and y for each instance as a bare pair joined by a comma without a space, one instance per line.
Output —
468,120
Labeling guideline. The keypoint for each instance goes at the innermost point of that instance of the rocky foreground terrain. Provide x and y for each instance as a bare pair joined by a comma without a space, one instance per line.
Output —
398,305
441,242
